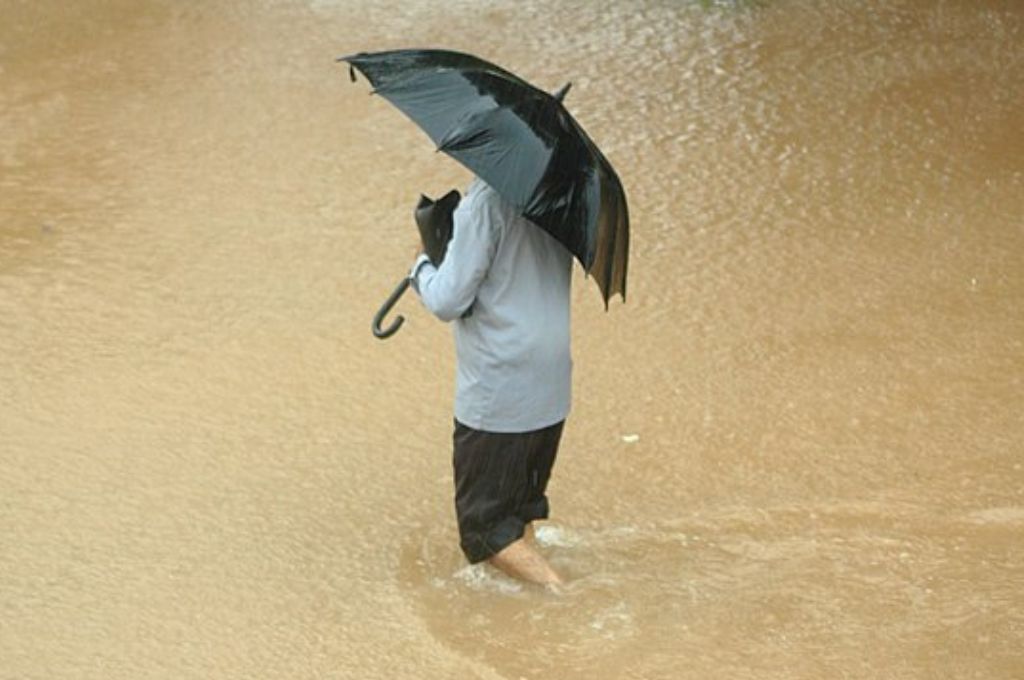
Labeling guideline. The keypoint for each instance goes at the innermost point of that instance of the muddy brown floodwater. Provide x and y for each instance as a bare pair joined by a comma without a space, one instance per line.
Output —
796,451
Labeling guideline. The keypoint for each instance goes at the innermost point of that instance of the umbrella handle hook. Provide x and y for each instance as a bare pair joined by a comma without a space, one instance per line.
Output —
383,333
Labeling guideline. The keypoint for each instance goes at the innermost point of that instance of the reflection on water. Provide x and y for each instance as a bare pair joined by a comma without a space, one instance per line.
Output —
794,453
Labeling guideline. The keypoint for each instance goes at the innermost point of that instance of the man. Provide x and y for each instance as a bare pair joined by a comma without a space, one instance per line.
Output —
504,284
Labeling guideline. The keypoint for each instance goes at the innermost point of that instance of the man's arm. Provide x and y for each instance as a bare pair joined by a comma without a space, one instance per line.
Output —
449,290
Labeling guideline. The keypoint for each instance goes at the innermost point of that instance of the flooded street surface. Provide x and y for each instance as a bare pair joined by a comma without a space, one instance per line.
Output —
796,452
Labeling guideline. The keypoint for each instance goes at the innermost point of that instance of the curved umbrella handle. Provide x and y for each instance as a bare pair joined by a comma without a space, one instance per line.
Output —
383,333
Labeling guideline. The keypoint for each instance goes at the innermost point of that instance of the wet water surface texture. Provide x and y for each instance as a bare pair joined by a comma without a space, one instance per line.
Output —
796,451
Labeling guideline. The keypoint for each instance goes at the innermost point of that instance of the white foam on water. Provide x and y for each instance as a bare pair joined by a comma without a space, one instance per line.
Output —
1003,515
550,536
482,578
614,622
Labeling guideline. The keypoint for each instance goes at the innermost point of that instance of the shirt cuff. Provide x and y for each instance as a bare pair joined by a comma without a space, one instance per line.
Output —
421,261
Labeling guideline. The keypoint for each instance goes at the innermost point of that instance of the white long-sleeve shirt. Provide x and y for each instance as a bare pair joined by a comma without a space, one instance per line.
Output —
514,363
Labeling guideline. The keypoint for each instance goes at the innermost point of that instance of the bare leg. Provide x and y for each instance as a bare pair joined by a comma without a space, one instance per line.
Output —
529,535
521,560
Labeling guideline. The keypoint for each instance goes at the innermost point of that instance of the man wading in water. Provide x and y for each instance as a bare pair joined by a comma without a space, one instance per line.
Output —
504,285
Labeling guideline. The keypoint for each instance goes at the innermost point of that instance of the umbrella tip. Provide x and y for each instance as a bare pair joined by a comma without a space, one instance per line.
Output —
560,95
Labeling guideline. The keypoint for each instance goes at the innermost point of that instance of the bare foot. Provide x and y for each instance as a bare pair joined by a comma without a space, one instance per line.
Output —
521,560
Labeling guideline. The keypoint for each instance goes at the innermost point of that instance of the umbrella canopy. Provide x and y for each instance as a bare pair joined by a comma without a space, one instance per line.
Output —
521,141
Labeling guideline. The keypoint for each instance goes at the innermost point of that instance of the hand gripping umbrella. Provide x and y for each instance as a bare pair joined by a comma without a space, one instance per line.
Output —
521,141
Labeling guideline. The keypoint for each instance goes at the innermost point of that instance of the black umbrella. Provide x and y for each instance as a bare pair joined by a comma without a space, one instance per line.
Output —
521,141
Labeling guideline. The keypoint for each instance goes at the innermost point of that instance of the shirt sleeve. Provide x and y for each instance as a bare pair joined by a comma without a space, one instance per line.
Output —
422,261
449,290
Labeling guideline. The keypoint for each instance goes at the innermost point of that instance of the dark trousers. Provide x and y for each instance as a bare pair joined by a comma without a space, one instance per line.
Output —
500,484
